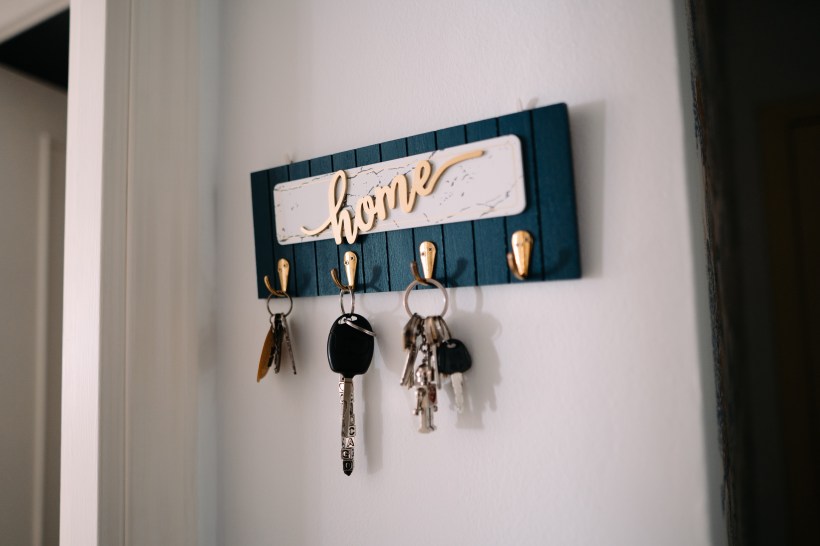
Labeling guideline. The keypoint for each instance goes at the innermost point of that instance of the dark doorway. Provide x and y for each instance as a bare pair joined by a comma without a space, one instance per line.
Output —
756,79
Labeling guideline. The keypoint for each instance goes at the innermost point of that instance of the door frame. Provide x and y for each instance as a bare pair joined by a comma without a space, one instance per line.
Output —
130,329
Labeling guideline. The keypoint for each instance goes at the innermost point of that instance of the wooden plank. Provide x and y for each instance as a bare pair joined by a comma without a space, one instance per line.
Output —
490,184
303,270
344,161
520,125
458,249
263,238
327,257
275,176
400,249
553,165
384,257
490,235
415,145
374,262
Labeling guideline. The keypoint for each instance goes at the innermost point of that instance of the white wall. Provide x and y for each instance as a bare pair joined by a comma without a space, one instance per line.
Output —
593,401
32,162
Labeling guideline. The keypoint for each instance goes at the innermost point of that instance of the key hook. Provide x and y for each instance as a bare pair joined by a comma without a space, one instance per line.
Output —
283,268
427,252
519,259
350,263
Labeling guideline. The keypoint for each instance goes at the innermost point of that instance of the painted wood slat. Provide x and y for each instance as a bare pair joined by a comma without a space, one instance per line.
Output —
490,235
303,268
262,221
384,257
275,176
400,248
374,245
457,250
559,224
417,144
344,161
327,256
520,125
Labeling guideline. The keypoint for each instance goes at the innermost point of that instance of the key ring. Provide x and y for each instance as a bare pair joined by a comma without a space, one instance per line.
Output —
342,300
350,322
290,304
415,283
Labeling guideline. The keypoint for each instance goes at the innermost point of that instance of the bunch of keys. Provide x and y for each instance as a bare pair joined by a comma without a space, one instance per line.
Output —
350,346
442,358
277,339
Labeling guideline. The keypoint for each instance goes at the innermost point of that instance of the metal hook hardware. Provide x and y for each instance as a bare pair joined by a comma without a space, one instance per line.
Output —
427,252
283,268
519,259
350,263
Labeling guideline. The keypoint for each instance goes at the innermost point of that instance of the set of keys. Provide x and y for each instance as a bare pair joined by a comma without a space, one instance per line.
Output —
277,340
442,358
351,343
350,346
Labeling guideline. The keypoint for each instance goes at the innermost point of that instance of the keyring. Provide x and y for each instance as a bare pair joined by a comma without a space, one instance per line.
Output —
290,304
342,300
432,281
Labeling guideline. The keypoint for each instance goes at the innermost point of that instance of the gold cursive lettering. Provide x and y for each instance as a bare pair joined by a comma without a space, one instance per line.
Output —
369,209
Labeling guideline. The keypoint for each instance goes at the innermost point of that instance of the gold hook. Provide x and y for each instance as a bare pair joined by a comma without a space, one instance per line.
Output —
519,259
350,263
283,267
427,252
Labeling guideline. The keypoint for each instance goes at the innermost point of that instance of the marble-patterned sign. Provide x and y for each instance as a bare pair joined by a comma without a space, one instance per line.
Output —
474,181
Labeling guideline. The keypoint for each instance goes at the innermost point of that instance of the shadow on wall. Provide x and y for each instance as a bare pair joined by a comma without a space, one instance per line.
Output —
588,132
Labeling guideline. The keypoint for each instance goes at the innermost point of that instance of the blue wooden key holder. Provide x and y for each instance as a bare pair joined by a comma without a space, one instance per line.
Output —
471,253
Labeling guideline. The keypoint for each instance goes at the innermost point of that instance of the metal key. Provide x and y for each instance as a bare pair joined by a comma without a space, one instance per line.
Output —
426,394
453,360
286,339
412,333
350,347
435,332
278,341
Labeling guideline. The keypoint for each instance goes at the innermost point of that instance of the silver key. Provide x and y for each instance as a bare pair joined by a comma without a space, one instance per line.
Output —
278,341
412,333
426,394
286,339
348,423
453,360
457,380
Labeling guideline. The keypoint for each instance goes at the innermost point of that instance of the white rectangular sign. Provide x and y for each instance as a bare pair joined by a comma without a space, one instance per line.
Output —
474,181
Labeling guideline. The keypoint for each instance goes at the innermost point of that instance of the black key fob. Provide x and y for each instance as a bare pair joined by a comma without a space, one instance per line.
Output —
452,357
349,349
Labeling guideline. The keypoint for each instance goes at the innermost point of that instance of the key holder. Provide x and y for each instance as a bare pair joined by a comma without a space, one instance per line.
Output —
519,259
283,268
278,336
350,263
427,251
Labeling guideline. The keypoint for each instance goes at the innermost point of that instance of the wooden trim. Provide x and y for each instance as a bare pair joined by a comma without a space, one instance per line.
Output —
132,246
92,458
